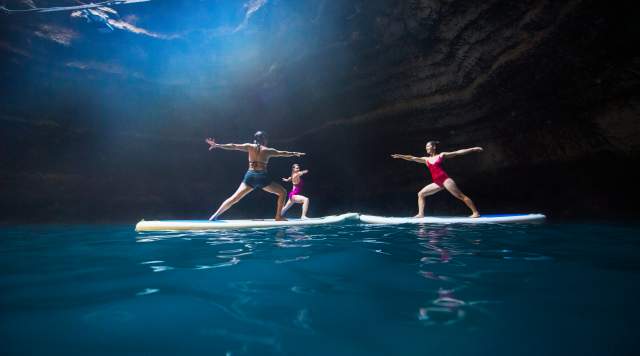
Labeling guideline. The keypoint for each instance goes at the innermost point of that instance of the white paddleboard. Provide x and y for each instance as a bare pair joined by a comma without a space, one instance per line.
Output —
181,225
502,218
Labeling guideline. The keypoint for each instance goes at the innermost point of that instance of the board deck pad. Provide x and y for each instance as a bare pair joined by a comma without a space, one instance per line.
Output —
502,218
192,225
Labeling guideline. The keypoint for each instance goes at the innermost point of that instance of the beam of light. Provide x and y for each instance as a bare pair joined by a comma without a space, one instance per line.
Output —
108,9
9,48
60,35
97,13
125,26
29,3
252,7
107,68
103,15
72,8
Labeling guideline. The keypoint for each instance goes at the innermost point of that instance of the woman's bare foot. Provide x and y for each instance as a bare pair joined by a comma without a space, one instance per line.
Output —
304,217
475,215
419,216
280,218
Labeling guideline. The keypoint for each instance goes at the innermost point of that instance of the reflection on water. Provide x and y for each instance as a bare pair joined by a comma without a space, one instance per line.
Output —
448,309
349,289
148,291
443,245
441,253
443,310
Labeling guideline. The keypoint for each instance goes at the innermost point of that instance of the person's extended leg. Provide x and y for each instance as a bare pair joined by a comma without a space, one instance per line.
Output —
277,189
422,194
301,199
451,186
287,206
242,190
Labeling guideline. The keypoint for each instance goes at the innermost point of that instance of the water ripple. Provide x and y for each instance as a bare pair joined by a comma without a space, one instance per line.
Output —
148,291
234,261
161,268
299,258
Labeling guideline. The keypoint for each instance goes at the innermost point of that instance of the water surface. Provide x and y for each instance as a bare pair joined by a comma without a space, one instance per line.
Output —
352,289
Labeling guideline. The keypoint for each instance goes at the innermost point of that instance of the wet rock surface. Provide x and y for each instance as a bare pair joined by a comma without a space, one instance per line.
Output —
549,89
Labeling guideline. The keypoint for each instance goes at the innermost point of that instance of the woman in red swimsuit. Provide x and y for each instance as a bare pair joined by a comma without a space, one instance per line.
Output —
440,178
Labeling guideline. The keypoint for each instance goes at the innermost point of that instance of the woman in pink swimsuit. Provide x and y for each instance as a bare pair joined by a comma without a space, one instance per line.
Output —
295,195
440,178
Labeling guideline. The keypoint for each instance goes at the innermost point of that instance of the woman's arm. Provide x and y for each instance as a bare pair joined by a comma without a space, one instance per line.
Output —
286,179
227,146
408,158
300,173
275,153
460,152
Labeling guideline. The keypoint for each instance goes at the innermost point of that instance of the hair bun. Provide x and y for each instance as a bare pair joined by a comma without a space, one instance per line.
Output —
259,137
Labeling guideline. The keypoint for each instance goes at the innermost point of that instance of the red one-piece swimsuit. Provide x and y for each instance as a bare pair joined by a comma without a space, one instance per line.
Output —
437,173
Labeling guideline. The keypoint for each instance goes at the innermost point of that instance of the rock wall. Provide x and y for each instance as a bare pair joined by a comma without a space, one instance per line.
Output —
549,89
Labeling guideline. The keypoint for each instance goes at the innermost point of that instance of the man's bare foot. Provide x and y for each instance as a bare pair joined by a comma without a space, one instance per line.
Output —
304,217
475,215
280,218
419,216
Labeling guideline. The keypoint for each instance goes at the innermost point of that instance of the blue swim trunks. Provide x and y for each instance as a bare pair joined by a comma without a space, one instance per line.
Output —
257,179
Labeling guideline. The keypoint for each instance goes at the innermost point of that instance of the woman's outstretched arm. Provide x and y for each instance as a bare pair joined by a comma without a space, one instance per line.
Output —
227,146
408,158
299,174
276,153
286,179
461,152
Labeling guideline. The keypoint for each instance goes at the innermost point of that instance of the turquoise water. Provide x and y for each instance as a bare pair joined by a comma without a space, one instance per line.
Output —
352,289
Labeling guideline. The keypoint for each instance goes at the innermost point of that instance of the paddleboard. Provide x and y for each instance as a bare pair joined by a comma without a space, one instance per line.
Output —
181,225
503,218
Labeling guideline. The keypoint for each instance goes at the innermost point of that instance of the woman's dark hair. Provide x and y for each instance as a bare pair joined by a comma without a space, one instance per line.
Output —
433,143
293,165
260,138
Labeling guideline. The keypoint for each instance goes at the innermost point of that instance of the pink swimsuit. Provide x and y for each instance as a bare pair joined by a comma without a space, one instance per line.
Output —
437,173
297,189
